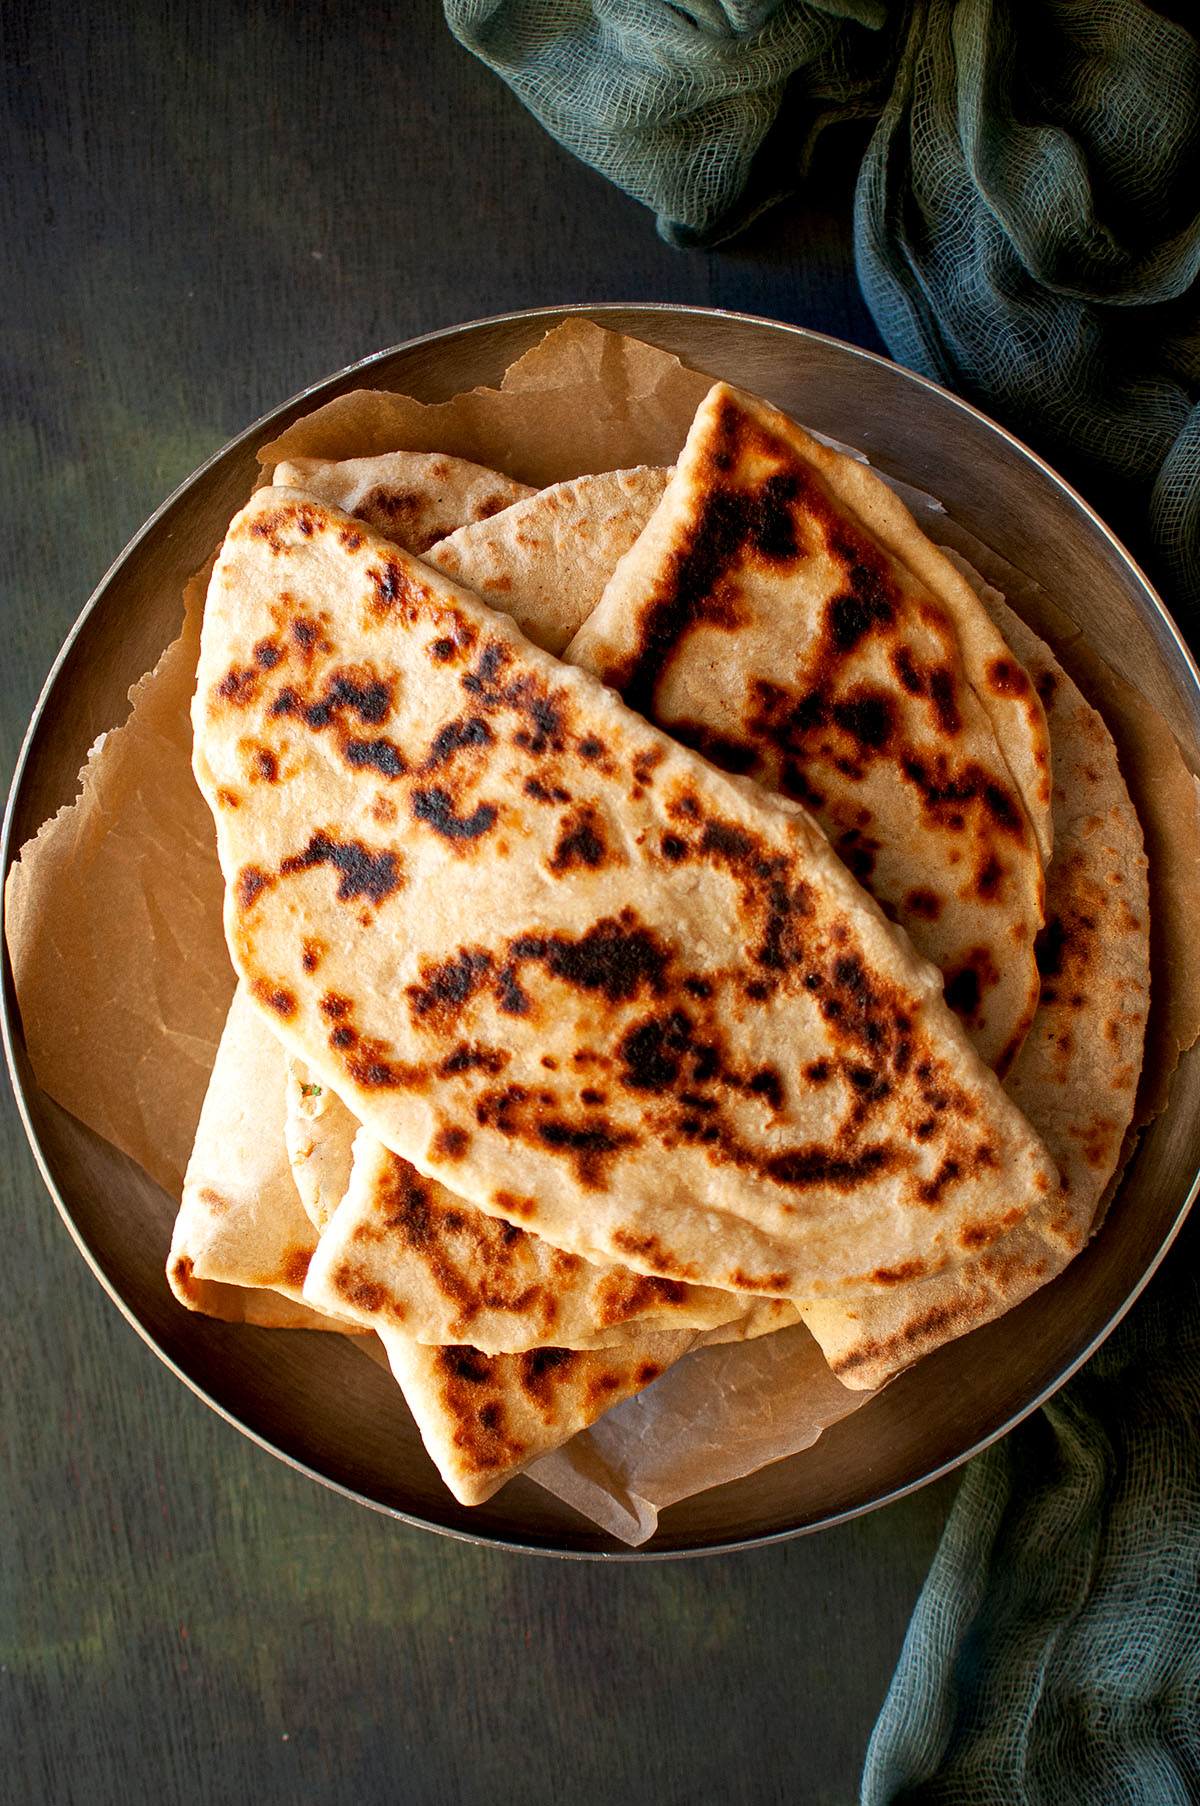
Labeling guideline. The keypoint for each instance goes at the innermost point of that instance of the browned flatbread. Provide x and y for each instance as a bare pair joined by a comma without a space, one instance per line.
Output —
484,1418
413,498
403,1252
783,613
465,1275
545,561
242,1246
1076,1075
431,833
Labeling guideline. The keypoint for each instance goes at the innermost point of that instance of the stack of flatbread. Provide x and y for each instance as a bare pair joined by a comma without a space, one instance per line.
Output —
667,907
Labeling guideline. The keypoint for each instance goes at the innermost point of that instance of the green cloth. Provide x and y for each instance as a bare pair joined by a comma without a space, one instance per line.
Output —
1054,1656
1027,233
673,103
1026,219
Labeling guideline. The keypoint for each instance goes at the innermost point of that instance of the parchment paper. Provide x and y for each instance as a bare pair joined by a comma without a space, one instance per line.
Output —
580,401
717,1415
113,921
113,912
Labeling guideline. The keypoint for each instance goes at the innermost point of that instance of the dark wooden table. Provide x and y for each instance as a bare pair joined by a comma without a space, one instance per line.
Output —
205,208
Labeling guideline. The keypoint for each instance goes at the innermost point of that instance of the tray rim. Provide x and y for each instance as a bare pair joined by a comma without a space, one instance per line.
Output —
273,420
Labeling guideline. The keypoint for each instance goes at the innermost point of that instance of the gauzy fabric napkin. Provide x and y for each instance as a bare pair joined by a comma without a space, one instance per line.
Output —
1027,233
1026,222
1054,1656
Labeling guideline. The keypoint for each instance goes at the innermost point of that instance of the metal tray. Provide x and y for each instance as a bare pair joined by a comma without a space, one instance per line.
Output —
339,1418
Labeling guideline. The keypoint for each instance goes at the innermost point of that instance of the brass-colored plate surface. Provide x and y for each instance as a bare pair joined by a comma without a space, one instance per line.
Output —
334,1414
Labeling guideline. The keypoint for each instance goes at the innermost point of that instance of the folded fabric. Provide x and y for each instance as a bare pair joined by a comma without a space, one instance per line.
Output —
673,102
1054,1655
1026,220
1027,233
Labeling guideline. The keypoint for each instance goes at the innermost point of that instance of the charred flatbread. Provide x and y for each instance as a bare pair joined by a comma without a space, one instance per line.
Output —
783,613
242,1247
430,833
1077,1073
404,1253
484,1418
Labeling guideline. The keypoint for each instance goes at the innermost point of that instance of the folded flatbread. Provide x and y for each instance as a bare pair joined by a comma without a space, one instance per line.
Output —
558,961
413,498
242,1246
484,1418
242,1242
399,1249
461,1275
545,561
1076,1075
403,1252
783,613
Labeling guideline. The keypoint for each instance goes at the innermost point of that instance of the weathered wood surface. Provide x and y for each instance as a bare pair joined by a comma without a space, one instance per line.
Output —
206,207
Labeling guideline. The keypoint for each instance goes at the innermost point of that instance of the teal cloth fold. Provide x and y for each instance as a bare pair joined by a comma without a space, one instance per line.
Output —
1054,1655
1027,218
1027,232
